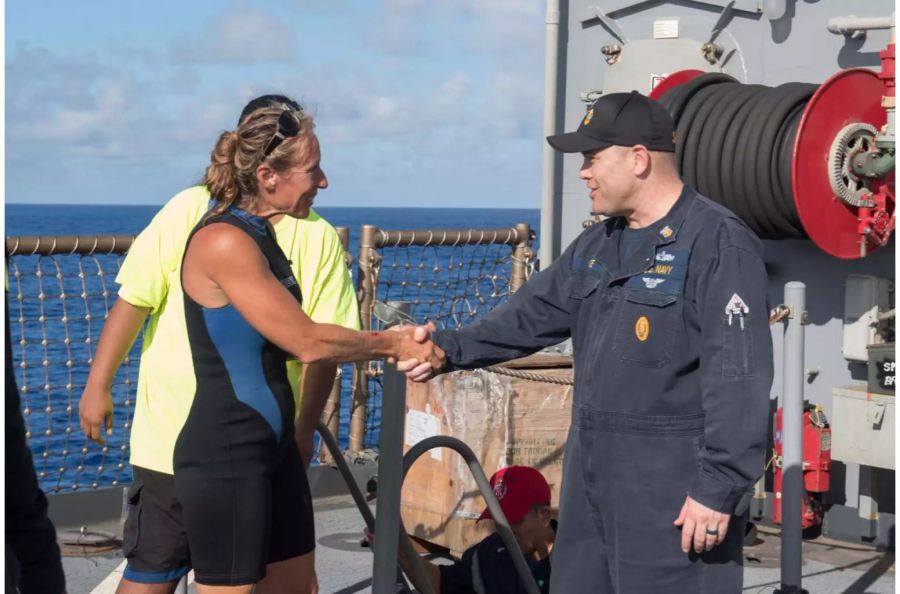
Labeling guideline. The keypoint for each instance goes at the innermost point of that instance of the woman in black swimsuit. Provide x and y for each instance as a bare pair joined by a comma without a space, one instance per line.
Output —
238,474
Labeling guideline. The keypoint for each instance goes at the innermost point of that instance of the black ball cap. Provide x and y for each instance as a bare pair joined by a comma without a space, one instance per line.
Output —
622,119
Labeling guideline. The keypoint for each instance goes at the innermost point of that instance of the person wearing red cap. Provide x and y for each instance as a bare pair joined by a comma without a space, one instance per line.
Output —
487,567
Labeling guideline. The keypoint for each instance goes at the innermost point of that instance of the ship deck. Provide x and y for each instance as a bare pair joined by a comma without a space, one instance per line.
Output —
345,567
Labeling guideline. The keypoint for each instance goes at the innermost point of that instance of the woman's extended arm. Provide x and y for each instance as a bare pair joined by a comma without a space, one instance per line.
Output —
95,408
223,265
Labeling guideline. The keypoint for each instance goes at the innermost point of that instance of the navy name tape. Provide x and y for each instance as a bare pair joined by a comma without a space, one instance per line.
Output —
666,274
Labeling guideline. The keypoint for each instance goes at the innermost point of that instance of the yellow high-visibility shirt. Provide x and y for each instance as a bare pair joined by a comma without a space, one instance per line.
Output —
151,277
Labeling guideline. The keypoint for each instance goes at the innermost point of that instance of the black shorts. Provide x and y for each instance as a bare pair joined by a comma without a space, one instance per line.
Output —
227,531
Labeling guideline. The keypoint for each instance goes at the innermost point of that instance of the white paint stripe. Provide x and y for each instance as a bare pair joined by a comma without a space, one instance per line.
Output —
108,586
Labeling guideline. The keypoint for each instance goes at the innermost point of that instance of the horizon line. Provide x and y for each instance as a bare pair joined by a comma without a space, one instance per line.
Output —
315,207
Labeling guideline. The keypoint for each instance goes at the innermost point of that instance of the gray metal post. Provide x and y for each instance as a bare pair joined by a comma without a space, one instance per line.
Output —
792,439
409,558
550,160
390,474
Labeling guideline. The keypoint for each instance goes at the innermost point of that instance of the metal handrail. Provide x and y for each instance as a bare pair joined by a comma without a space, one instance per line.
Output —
520,234
85,245
460,447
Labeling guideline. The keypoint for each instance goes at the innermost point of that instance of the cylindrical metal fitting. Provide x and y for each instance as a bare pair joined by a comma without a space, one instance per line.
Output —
847,25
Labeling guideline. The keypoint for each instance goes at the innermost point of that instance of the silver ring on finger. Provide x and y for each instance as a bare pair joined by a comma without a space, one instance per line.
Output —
712,531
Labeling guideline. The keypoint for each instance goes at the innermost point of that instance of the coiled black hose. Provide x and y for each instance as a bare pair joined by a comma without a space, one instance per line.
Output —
734,143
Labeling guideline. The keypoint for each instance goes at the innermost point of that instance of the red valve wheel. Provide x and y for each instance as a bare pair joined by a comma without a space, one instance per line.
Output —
850,96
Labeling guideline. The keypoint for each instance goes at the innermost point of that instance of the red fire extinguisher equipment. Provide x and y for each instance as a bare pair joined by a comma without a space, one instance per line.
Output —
816,466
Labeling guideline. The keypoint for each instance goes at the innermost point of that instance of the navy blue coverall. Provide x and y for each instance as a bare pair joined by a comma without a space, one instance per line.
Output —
673,366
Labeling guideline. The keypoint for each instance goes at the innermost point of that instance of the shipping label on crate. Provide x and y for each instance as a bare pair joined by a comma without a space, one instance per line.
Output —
420,425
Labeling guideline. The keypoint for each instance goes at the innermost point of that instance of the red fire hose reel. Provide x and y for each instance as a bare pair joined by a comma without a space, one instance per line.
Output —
844,214
816,467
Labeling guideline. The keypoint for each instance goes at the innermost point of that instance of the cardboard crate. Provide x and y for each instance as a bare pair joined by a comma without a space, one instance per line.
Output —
505,420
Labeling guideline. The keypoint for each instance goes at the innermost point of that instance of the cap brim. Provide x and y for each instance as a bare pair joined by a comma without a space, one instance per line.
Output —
487,515
576,142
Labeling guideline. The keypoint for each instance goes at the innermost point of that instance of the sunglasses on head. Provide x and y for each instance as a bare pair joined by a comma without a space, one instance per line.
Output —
288,127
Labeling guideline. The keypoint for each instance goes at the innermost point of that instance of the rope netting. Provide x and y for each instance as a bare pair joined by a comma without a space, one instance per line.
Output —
451,286
449,278
61,290
56,306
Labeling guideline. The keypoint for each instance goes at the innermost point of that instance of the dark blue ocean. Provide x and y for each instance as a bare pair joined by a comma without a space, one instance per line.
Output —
56,219
63,460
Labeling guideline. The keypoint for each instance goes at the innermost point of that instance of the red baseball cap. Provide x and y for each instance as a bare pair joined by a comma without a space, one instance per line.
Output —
518,489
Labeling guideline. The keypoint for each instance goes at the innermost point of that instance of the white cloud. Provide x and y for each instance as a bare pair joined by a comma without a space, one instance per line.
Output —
480,25
66,102
83,107
350,105
416,5
503,40
239,35
516,103
452,93
397,34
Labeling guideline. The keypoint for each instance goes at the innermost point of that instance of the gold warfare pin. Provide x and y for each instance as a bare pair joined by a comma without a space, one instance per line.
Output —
642,328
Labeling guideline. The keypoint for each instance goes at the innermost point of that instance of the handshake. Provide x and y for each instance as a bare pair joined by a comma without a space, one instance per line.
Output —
417,356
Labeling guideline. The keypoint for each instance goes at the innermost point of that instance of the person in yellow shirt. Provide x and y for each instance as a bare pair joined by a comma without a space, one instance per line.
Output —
150,291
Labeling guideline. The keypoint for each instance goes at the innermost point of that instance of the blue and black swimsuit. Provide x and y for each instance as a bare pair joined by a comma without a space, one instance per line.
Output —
238,473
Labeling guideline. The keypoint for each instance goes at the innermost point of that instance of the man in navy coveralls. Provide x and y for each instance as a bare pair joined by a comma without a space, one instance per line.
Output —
665,302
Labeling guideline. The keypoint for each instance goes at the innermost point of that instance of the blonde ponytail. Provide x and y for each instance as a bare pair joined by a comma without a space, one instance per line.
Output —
221,173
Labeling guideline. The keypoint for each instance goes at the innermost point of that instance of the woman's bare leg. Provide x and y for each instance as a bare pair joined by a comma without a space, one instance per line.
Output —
291,576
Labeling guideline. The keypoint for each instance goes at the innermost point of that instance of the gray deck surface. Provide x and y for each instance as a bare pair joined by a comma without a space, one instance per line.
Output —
346,568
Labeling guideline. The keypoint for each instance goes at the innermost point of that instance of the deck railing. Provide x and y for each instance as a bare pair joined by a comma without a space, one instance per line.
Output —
61,289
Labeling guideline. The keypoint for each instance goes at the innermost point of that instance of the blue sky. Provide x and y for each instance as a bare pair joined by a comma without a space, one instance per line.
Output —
418,102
